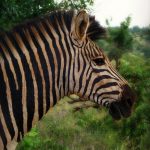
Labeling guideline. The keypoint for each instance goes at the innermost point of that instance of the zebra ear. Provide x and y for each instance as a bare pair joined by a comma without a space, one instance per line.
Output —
81,24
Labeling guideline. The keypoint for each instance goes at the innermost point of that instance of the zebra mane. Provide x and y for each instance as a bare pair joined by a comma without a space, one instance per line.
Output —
95,31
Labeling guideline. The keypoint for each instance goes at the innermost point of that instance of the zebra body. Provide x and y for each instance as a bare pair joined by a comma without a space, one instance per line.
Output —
43,60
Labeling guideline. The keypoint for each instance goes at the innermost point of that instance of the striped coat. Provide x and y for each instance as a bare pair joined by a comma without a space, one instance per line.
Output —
47,58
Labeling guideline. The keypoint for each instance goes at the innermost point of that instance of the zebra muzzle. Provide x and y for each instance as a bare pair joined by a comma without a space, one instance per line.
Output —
123,108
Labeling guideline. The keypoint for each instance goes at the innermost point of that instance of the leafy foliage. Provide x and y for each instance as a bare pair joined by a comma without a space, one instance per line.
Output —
13,12
120,39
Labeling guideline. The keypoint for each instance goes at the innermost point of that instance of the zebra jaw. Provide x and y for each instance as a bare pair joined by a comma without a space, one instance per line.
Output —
84,103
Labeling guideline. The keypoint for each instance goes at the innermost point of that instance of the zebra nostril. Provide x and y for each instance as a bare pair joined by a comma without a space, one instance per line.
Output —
129,102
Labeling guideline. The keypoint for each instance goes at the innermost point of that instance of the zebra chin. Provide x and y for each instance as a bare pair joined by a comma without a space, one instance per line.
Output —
123,108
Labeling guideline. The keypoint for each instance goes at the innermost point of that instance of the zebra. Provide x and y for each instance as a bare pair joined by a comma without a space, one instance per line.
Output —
49,57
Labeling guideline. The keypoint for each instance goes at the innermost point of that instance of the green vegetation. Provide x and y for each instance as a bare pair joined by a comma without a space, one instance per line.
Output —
120,40
13,12
63,129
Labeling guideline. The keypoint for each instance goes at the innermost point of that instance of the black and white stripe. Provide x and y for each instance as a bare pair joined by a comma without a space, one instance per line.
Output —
43,60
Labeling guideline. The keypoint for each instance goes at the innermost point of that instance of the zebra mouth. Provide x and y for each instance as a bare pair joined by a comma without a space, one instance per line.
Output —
119,110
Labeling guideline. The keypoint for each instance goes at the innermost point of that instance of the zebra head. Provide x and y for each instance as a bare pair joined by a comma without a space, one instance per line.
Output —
94,77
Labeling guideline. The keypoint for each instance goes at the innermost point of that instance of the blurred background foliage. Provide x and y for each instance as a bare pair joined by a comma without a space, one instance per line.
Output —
13,12
92,129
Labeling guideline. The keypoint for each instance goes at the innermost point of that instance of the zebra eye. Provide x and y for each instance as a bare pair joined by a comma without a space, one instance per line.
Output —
99,61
